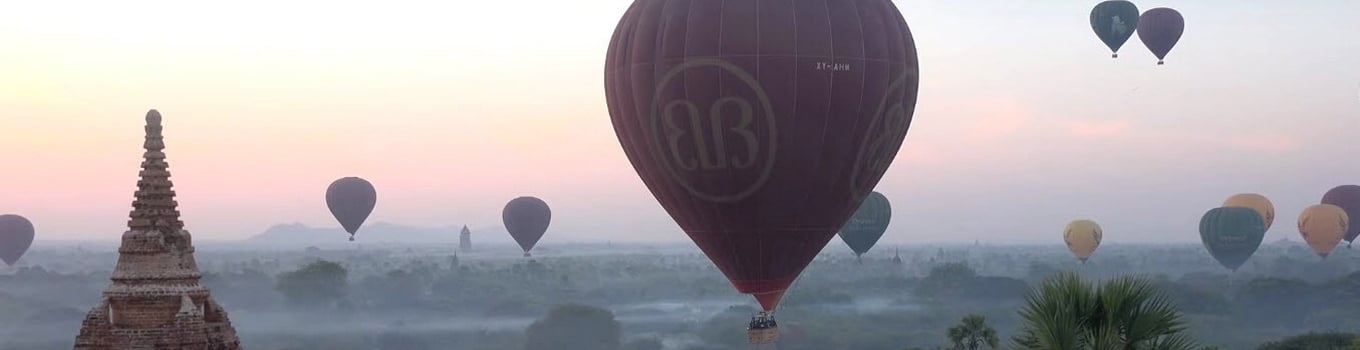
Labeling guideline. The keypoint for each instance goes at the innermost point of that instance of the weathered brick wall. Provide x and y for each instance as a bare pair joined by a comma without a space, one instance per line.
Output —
144,312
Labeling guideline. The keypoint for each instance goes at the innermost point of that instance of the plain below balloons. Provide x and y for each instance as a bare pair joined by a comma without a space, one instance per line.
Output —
1082,238
1256,202
526,218
1323,226
351,200
16,235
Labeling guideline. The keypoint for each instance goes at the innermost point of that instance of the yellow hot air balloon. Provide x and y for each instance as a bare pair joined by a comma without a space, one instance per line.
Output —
1323,226
1082,237
1256,202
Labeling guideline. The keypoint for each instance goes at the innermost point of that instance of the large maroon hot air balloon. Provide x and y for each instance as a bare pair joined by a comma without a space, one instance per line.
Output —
1348,198
16,235
526,218
761,125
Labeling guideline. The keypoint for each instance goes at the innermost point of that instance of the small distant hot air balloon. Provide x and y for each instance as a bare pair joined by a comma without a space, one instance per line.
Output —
1232,234
868,224
1114,21
16,235
1082,237
1160,29
351,199
1256,202
1348,198
1323,226
526,218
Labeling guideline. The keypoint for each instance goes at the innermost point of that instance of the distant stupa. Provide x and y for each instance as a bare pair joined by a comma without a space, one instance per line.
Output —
465,240
155,300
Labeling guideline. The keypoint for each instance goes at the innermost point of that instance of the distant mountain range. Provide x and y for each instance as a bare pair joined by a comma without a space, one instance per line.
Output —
378,232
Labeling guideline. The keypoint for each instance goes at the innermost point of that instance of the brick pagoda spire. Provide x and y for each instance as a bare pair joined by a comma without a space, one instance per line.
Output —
155,300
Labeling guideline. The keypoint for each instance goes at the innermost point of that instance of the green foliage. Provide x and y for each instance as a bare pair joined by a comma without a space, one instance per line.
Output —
1196,300
957,280
395,289
1278,300
1316,341
317,284
972,333
945,279
1067,312
574,327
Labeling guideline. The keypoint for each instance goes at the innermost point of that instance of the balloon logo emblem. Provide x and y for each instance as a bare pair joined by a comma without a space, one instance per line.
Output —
887,131
728,136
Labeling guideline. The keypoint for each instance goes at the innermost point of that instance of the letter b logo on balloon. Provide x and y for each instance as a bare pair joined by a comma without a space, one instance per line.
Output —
887,130
718,147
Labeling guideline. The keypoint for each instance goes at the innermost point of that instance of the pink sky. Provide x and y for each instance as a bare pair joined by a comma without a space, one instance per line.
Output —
451,112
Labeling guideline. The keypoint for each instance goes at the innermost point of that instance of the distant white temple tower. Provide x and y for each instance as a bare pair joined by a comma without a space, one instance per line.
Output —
465,240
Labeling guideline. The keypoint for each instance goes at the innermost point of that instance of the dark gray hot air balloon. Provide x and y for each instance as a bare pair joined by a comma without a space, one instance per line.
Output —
868,224
527,219
16,235
1232,234
351,199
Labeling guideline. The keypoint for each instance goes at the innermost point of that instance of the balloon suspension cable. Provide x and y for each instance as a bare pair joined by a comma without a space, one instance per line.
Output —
859,260
526,254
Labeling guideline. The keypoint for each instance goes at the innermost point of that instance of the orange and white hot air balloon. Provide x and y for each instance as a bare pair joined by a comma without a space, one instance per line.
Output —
1082,237
1256,202
1323,226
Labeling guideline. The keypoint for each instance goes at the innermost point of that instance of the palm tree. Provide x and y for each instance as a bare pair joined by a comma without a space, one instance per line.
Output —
972,333
1126,313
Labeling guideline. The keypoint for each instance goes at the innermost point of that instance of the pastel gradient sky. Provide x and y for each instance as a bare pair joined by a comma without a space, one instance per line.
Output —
452,108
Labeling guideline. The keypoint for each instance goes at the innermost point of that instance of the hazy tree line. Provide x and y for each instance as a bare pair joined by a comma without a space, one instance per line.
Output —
937,298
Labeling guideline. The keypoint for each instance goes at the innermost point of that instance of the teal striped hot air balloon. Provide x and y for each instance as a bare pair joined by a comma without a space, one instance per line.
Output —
868,224
1232,234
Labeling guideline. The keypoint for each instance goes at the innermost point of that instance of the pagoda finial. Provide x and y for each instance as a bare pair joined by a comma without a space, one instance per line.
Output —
154,207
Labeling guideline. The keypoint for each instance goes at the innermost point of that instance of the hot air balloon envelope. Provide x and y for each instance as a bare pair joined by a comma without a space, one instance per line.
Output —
761,129
351,199
1082,238
1348,198
1114,22
527,219
16,235
1256,202
1323,226
1160,29
868,223
1232,234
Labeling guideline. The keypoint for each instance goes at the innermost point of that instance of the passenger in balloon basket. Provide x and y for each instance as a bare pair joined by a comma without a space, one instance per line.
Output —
763,328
